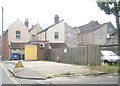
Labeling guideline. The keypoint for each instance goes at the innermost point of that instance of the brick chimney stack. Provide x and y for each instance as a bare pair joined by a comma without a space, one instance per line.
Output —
26,23
56,19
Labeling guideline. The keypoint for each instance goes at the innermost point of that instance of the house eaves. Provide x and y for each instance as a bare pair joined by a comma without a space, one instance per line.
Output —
31,28
17,45
58,45
49,27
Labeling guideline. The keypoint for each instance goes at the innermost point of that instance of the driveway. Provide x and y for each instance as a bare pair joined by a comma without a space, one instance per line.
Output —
48,68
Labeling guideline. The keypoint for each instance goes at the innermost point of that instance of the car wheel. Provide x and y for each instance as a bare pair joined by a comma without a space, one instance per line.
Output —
106,62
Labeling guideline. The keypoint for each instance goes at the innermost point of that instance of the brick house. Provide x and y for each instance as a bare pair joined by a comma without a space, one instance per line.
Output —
6,53
94,33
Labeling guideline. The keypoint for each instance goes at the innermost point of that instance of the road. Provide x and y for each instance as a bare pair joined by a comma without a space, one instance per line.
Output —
103,79
4,76
7,78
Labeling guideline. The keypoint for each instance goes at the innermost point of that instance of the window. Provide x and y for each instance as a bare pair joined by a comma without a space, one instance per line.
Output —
33,38
17,34
56,35
69,34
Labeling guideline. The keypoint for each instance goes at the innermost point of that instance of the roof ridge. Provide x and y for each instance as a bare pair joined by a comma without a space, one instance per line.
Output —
49,27
93,28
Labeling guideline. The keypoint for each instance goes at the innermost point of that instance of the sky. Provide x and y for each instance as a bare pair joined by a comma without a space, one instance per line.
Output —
74,12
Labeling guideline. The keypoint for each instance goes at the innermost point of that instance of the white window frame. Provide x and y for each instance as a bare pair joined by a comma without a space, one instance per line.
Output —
56,35
18,34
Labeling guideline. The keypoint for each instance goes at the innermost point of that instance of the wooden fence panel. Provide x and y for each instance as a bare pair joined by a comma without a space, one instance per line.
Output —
85,56
93,55
81,55
98,54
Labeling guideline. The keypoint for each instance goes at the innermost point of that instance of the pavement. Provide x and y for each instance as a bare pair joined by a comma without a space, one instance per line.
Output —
24,72
42,70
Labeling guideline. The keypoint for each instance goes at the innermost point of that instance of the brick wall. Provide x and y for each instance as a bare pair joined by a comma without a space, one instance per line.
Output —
5,46
42,53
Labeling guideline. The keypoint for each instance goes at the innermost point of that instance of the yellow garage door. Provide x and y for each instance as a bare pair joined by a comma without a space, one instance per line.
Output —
30,52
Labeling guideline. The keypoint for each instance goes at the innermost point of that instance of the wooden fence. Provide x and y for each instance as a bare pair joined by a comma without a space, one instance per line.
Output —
84,55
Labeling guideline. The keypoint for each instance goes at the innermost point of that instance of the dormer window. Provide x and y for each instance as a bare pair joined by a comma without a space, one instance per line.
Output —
18,34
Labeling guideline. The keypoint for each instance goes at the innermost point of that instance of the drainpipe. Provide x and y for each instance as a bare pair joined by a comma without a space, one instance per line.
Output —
10,50
45,36
21,53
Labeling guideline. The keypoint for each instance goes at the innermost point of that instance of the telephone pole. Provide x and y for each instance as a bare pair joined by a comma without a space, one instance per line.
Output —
2,34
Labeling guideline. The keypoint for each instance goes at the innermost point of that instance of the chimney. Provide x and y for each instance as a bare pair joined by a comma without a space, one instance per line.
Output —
56,18
26,22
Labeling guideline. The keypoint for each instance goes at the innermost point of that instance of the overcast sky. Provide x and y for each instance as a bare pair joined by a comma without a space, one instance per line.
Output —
74,12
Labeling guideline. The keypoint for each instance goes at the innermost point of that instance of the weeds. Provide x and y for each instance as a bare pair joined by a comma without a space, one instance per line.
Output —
106,68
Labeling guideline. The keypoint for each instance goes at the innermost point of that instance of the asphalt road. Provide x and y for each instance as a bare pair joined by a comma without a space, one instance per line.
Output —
4,77
104,79
7,78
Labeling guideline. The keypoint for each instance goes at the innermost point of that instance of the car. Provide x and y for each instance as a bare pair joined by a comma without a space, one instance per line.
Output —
109,57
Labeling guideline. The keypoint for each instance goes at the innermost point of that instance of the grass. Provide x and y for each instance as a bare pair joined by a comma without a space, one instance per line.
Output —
106,68
94,70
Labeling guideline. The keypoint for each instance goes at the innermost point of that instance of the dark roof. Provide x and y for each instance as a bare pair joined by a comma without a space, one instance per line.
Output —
58,45
17,45
92,28
48,27
89,25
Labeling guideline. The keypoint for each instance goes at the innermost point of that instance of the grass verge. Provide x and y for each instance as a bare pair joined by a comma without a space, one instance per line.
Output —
105,68
94,70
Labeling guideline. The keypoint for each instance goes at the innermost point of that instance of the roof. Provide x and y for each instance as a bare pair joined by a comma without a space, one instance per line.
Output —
33,27
17,22
5,32
48,27
92,28
58,45
89,25
17,45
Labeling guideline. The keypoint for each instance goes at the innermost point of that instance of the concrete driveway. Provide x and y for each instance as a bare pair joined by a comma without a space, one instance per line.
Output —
48,68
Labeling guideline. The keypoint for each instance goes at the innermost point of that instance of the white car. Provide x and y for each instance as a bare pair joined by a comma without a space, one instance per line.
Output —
109,57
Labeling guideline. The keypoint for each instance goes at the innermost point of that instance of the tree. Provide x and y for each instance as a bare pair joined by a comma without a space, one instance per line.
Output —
112,7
